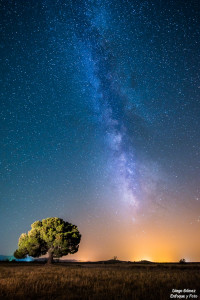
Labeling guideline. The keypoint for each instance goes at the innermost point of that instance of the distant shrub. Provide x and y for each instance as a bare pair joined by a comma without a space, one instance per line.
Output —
182,261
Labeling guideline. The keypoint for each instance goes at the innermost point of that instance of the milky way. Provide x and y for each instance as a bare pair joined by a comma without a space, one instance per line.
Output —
107,98
111,96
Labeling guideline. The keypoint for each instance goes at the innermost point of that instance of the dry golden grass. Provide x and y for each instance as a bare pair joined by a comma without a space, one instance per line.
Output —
82,281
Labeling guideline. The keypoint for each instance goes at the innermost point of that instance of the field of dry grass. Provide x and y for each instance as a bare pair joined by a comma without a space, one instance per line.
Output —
95,281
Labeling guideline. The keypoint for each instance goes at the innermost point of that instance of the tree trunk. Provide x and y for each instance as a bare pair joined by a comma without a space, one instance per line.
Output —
50,258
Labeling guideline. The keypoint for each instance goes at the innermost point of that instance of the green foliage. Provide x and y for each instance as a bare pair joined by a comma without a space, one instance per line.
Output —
52,235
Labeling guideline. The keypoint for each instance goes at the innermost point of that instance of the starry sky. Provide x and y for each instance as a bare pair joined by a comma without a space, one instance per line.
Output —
100,124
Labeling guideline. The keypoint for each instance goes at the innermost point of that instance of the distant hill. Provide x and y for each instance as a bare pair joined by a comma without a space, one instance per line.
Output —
12,258
145,262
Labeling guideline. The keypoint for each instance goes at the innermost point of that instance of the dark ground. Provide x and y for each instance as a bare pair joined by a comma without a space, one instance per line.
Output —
99,280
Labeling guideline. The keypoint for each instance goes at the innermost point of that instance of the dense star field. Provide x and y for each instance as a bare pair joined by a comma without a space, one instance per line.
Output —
100,124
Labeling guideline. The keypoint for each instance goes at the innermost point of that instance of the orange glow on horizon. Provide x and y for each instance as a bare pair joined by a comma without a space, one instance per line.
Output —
154,239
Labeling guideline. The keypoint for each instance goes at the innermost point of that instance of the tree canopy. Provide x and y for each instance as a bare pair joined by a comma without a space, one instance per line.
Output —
53,236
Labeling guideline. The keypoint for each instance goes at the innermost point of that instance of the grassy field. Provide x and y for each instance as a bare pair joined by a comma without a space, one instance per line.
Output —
97,281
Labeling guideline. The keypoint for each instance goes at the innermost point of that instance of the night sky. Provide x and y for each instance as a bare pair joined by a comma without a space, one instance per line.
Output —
100,124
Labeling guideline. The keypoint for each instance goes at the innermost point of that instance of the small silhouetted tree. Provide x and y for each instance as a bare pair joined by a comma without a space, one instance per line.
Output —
182,261
53,236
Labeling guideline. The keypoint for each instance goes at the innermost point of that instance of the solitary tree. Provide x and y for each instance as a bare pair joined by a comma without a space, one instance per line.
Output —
53,236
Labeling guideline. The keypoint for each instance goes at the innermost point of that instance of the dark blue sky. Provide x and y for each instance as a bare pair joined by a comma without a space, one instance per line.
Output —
100,121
